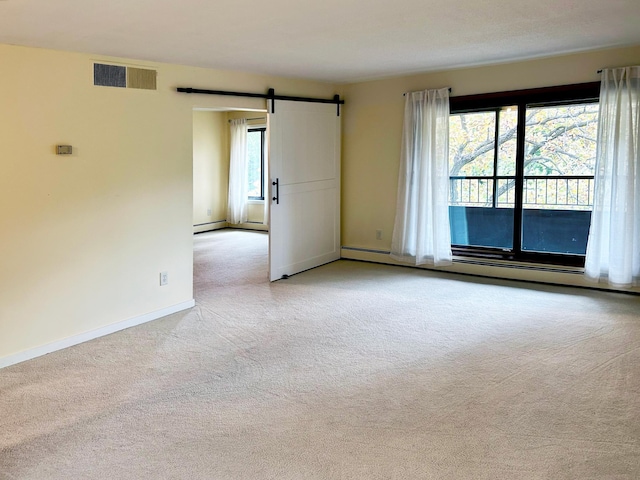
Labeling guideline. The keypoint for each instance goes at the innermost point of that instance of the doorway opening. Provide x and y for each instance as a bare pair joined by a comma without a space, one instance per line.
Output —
211,167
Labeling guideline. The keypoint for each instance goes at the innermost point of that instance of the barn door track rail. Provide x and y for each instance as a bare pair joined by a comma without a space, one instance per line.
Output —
270,95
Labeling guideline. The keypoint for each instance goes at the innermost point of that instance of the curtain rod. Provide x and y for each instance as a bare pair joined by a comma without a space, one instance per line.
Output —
633,66
249,119
405,93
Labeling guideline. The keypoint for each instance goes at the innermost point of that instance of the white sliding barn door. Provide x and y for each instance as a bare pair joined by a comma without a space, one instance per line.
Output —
304,160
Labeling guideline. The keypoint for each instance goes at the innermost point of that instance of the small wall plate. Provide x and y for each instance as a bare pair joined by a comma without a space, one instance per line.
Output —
64,149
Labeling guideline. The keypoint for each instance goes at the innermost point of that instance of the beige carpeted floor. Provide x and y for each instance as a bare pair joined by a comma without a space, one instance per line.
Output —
347,371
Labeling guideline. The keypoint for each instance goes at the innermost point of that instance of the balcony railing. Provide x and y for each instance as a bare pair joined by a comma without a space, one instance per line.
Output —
549,192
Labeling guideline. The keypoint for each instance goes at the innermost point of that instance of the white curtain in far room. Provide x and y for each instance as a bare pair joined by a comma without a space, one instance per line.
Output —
267,182
238,188
613,248
421,233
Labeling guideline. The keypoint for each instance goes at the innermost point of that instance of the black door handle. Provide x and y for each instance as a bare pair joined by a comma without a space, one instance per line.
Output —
277,197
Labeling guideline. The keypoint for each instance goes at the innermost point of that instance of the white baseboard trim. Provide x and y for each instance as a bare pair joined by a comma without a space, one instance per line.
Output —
251,226
93,334
208,227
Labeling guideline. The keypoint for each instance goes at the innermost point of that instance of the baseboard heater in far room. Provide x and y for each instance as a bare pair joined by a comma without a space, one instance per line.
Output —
210,223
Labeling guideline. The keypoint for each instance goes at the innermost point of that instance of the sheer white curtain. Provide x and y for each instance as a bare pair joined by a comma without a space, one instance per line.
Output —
267,183
421,232
613,248
238,188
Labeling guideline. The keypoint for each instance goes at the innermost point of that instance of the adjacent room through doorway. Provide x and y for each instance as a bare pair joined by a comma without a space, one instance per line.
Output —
212,154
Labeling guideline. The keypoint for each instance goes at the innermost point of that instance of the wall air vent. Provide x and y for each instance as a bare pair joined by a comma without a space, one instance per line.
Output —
141,78
124,77
109,75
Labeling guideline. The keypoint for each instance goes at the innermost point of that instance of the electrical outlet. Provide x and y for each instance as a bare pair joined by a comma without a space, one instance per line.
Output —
164,278
208,212
378,234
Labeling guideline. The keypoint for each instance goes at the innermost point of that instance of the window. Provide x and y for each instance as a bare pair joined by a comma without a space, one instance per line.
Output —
255,160
521,168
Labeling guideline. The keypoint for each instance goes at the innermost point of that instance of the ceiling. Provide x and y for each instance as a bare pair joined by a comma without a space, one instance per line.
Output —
329,40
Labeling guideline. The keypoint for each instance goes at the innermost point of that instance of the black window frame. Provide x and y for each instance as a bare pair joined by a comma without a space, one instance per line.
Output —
538,97
263,131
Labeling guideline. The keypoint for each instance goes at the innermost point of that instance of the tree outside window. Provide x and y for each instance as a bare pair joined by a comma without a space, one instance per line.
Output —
524,190
255,160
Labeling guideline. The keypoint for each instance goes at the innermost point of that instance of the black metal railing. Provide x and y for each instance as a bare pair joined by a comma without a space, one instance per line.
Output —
558,192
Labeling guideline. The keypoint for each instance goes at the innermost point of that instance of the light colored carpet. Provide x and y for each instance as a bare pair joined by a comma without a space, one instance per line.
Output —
347,371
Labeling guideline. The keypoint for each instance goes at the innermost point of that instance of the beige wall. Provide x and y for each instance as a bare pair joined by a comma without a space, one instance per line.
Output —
372,128
210,169
85,236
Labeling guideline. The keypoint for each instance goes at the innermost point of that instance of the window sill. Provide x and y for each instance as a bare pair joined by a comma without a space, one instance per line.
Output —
255,202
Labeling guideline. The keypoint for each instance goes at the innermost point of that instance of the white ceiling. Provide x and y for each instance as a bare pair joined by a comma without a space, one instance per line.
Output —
329,40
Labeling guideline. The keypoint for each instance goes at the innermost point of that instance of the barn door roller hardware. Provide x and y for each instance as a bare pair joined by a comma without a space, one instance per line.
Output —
270,95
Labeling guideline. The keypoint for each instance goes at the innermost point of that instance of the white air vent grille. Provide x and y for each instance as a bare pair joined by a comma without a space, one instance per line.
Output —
124,77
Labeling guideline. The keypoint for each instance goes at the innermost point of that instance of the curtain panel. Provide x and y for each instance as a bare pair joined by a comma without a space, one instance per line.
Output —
613,247
421,233
238,188
267,181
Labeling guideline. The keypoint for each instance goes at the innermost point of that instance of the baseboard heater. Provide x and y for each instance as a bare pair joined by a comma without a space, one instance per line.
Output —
484,263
